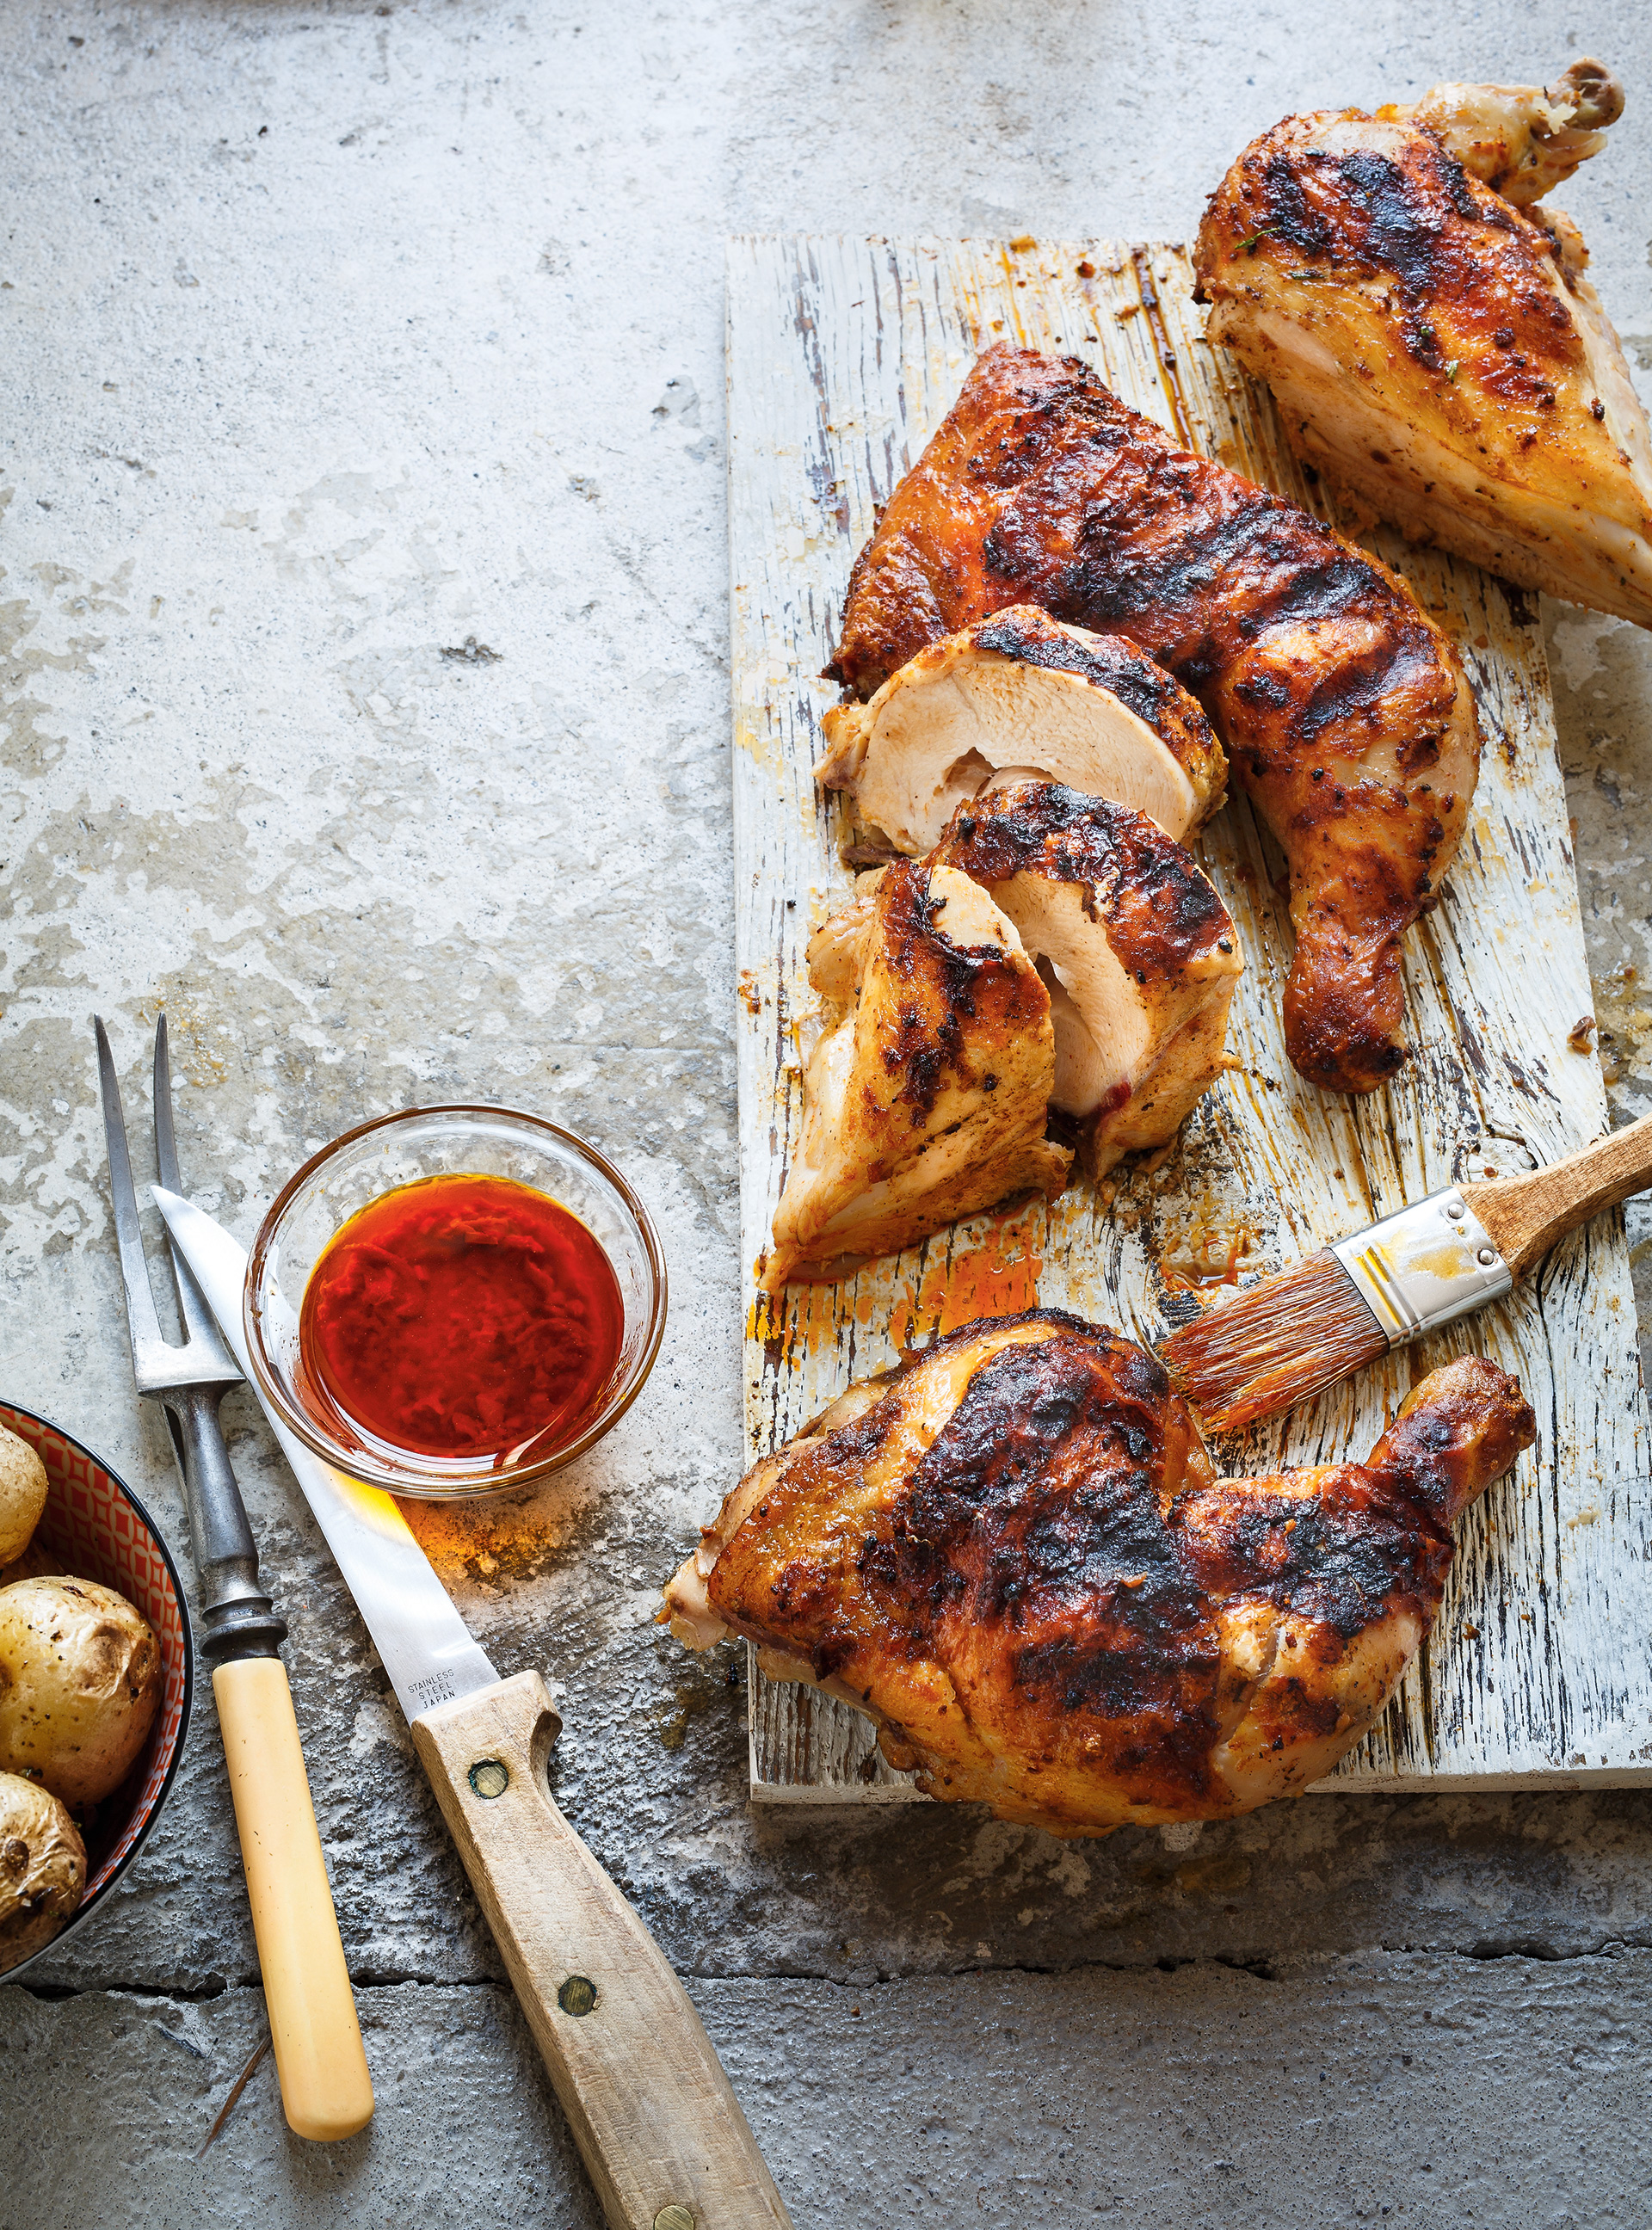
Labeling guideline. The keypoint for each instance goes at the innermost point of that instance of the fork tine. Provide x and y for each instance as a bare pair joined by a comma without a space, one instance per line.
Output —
165,1140
197,1317
142,1323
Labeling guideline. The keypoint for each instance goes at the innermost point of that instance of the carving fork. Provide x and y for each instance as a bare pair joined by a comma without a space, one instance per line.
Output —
325,2089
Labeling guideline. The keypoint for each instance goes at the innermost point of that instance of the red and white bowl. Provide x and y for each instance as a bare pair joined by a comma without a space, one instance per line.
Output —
98,1528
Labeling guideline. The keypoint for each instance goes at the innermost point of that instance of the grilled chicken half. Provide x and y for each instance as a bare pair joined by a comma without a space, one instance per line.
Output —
1054,952
1013,1553
1020,690
1344,709
1430,337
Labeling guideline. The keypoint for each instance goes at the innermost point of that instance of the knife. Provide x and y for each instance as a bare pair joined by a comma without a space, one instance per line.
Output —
652,2111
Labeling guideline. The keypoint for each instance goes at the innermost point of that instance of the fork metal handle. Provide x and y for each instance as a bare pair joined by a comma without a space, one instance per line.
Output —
237,1617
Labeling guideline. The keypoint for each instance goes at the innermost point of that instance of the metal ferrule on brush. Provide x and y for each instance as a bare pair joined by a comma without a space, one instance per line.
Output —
1422,1267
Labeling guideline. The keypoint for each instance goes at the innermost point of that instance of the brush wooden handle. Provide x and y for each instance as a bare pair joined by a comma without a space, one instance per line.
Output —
1526,1216
325,2089
652,2111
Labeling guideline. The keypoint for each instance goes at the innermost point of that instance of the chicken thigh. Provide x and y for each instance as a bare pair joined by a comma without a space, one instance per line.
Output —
1344,709
1432,340
1013,1553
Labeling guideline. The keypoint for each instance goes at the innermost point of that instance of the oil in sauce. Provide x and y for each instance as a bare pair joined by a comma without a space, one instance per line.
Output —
463,1318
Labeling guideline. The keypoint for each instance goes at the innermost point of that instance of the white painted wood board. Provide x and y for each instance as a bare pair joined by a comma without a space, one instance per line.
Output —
843,356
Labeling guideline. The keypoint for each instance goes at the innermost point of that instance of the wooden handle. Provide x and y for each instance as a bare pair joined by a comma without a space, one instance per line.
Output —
660,2131
325,2088
1526,1216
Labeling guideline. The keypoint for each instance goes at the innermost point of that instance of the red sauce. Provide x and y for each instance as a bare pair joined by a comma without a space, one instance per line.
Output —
463,1317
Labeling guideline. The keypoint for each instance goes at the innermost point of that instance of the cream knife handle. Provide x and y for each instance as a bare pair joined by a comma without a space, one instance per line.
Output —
1528,1214
652,2111
325,2089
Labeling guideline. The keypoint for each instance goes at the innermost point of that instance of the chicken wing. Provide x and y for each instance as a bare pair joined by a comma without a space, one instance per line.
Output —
1013,1552
1432,342
1343,709
1516,139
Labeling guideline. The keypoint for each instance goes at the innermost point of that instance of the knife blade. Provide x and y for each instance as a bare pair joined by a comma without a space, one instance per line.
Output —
427,1649
652,2111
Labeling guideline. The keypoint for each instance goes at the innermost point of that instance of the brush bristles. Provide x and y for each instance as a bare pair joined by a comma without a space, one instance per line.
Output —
1278,1343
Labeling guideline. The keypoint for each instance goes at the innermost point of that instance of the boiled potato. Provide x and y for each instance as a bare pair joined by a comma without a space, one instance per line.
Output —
42,1868
80,1676
22,1494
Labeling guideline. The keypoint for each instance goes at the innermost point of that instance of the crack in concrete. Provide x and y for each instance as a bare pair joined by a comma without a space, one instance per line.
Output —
52,1992
1261,1969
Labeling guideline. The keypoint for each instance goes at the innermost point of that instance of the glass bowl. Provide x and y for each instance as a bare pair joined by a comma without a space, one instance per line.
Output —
399,1149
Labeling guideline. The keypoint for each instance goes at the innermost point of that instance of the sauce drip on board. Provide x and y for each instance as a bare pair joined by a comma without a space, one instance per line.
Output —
463,1316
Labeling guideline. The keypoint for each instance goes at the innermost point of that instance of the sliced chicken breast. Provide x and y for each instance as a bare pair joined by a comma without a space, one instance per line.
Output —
1140,955
1346,711
926,1096
1022,690
1054,952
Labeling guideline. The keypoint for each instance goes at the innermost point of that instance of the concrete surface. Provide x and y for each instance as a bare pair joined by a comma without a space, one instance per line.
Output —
1382,2086
338,339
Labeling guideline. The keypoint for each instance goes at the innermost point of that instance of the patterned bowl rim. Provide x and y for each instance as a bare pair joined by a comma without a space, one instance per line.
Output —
95,1904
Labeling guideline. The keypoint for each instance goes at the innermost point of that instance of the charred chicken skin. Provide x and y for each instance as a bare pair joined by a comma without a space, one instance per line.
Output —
1140,955
1345,711
1431,337
1013,1553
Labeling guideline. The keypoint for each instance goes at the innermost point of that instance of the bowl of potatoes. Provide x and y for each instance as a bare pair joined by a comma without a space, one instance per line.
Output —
96,1674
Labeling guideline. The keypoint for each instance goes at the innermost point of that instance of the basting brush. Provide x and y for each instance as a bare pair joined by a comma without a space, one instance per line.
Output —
1441,1259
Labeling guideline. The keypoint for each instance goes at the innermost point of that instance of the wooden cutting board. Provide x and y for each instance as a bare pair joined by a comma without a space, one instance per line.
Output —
844,355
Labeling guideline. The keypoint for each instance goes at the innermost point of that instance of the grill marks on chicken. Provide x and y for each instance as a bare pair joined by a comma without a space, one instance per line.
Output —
1052,951
1343,709
1434,346
1013,1553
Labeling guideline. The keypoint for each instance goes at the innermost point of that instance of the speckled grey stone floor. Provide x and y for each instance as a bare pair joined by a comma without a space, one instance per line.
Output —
338,339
